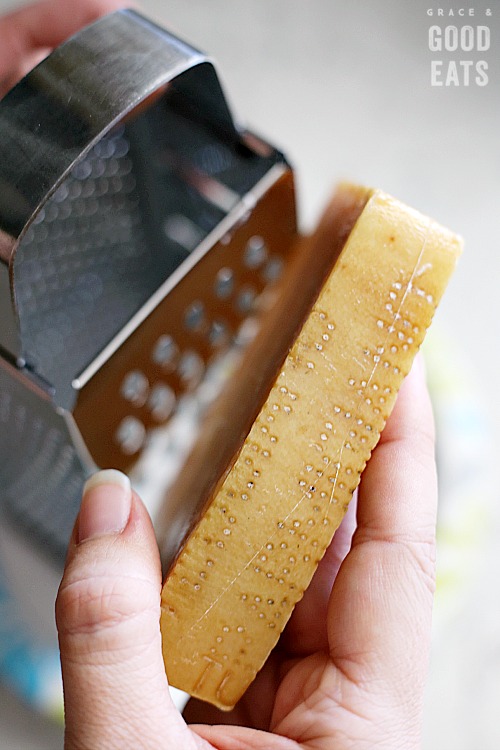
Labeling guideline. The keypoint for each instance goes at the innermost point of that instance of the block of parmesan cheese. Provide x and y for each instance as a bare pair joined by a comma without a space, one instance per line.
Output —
269,518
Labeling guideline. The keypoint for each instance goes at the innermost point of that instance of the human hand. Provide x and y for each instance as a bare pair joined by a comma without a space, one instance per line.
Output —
350,668
27,35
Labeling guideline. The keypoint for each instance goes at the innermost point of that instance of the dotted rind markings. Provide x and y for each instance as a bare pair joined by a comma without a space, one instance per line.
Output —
303,457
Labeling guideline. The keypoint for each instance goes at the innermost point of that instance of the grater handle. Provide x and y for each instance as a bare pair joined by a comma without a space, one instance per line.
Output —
50,120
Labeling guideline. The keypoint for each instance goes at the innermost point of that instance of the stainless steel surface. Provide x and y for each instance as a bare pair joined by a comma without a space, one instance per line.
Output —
123,179
235,215
41,467
56,115
114,409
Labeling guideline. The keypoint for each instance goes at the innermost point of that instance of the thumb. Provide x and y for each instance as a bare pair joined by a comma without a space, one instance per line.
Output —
107,611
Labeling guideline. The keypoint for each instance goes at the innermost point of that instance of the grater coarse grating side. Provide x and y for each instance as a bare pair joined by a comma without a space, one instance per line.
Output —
140,226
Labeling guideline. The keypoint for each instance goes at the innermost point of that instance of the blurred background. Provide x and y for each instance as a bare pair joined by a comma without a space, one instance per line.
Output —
345,90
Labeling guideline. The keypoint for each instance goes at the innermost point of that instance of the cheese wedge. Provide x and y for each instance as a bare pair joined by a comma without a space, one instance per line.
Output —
268,522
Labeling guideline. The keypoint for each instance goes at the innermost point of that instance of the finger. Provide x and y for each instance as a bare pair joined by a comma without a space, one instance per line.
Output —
399,486
307,630
107,612
380,611
31,32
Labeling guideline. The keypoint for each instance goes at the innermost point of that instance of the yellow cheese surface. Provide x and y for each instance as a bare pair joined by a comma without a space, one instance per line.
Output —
255,550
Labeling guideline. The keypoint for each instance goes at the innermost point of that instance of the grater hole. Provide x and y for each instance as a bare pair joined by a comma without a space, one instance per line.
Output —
191,369
273,269
135,387
245,300
255,252
166,352
218,334
194,316
161,401
130,435
224,283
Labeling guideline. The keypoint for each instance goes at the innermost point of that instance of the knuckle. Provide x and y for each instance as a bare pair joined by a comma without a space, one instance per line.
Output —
98,603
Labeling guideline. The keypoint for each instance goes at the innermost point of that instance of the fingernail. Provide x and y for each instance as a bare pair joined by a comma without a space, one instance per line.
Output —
106,503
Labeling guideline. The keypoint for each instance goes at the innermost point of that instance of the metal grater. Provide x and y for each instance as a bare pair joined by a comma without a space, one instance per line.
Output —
139,229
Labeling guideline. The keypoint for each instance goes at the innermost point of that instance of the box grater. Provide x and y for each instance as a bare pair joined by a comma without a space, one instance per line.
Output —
140,226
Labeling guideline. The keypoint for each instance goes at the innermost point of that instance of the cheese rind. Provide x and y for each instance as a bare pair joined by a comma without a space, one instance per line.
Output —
253,553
